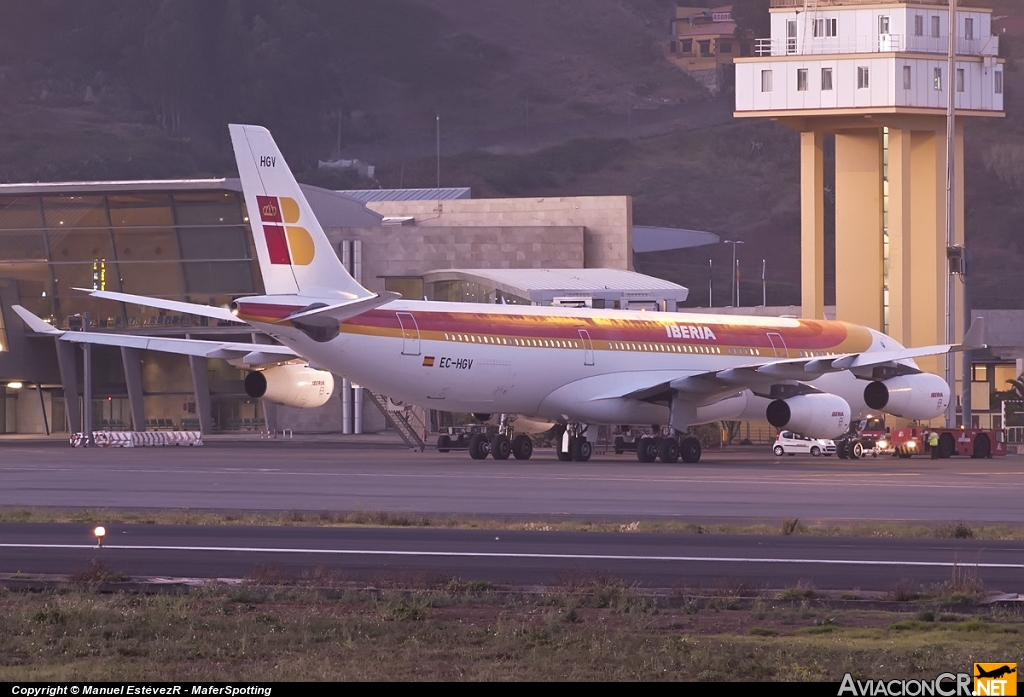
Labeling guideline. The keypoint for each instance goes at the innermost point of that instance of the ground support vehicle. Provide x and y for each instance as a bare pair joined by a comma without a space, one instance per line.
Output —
866,437
966,442
457,437
790,443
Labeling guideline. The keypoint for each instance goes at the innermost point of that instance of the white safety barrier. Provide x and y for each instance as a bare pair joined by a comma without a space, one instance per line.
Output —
138,439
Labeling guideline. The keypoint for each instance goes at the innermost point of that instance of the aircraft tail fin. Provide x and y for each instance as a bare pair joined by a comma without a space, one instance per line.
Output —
294,253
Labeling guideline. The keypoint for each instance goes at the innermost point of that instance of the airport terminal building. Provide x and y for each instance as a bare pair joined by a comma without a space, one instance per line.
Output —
190,240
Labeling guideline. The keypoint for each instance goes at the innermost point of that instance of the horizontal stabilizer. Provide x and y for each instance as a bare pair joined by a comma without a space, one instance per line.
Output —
345,310
219,313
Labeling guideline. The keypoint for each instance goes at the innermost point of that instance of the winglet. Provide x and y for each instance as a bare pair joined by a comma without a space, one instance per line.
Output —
974,338
34,323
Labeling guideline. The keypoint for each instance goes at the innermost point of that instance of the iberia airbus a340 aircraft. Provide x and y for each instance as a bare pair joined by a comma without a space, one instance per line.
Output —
568,366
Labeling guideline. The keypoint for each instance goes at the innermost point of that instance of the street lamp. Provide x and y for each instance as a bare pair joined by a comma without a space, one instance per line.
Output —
735,280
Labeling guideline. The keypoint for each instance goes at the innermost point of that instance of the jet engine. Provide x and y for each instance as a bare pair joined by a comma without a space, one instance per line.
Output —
291,385
920,396
813,415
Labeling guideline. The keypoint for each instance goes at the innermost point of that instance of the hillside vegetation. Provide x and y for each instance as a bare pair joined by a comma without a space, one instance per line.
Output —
535,98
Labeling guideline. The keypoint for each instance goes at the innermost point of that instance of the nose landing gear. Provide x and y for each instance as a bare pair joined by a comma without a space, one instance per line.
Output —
573,444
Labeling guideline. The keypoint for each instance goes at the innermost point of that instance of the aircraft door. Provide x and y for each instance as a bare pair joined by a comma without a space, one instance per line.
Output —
410,334
588,347
779,344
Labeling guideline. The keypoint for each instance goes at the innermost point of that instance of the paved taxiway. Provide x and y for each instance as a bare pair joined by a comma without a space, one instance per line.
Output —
739,485
513,557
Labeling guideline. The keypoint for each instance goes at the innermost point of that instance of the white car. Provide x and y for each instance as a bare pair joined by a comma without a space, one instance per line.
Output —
789,443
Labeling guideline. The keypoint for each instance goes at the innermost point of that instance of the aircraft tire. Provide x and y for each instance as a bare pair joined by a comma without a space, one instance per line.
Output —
620,445
501,447
982,447
478,446
690,450
947,446
566,456
842,450
646,449
668,451
522,447
444,444
582,450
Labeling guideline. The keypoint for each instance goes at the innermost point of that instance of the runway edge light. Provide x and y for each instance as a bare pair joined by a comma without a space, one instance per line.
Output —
99,532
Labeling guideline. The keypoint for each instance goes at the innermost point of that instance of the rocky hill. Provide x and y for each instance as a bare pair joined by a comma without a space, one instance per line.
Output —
535,97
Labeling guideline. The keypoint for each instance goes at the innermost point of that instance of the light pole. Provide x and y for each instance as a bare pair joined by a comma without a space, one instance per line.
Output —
711,283
951,214
735,282
764,283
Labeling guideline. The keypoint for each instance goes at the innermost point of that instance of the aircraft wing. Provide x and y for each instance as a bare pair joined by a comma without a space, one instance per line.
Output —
248,354
712,385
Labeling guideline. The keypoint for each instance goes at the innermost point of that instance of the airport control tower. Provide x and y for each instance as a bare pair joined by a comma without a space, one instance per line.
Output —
874,73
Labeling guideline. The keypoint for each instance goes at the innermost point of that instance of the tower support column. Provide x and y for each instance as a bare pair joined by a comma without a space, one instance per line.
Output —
812,225
859,241
900,293
928,243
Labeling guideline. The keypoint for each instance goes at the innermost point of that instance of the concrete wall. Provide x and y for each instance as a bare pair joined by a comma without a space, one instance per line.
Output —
415,250
29,417
607,220
327,419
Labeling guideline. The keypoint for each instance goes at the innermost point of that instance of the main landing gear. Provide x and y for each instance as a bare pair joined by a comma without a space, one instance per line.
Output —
499,446
668,449
572,444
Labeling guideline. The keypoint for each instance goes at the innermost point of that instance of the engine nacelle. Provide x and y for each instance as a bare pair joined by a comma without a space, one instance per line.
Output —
291,386
921,396
812,415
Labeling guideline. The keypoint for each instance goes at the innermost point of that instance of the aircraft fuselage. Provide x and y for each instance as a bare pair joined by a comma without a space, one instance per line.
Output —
562,364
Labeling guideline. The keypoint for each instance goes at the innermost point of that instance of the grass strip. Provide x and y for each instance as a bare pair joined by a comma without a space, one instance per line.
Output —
601,630
106,516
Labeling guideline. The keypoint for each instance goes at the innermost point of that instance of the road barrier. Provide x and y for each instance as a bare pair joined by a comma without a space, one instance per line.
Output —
138,439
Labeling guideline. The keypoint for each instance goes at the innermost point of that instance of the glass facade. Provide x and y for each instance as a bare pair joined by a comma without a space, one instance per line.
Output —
193,246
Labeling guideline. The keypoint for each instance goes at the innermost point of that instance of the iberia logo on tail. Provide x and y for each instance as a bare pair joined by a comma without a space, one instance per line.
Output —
286,243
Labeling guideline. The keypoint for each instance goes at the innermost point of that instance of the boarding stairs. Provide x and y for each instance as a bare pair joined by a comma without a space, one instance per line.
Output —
402,418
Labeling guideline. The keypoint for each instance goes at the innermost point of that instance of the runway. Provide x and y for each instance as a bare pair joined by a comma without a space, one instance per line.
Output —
520,558
739,486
